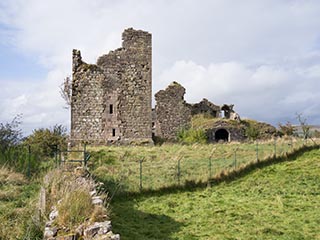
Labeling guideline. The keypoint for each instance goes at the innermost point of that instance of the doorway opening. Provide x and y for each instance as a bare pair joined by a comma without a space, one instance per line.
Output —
221,135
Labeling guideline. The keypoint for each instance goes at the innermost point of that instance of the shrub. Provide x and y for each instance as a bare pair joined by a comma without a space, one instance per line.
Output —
44,140
252,132
10,134
287,129
192,135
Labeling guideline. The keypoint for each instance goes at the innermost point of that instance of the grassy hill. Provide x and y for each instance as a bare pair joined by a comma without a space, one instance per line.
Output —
281,201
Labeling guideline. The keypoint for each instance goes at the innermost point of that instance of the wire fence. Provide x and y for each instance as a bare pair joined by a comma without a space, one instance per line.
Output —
31,160
21,158
143,174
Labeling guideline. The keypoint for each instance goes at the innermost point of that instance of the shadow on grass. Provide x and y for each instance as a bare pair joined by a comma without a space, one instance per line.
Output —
132,223
119,192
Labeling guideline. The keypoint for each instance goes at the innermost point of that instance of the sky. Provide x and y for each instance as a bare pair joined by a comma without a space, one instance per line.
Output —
263,56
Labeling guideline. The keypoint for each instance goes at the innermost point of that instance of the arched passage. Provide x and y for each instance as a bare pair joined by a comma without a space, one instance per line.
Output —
221,134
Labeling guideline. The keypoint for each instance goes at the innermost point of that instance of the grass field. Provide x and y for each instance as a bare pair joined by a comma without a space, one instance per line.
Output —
281,201
17,206
132,168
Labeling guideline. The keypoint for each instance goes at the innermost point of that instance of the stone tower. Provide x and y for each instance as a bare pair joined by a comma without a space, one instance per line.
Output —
111,100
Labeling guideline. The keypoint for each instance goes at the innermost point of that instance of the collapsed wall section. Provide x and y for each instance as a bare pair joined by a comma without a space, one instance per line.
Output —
207,108
172,112
87,101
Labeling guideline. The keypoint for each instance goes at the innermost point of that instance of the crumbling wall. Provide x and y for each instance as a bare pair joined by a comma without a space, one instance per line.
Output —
128,73
206,107
111,100
87,101
172,112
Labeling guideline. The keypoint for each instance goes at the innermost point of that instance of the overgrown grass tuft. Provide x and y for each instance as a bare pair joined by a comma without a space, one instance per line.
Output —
75,207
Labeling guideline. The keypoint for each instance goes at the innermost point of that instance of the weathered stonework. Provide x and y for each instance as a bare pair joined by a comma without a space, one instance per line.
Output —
226,131
87,105
111,101
205,107
172,112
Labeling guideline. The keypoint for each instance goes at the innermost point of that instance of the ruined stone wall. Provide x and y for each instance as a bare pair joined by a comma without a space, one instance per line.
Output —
205,107
111,101
128,72
172,112
87,101
235,130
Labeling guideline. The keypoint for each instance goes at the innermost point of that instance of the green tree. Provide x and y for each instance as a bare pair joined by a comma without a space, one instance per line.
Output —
44,140
10,134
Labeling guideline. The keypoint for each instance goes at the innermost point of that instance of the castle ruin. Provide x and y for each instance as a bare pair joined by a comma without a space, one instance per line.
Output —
111,100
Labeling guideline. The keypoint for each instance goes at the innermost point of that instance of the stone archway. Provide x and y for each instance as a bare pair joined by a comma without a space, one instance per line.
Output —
222,135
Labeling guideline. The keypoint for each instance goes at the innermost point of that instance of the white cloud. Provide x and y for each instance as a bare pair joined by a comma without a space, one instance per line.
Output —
261,55
268,93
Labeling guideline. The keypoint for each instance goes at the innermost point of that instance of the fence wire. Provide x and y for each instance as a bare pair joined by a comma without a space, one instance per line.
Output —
149,174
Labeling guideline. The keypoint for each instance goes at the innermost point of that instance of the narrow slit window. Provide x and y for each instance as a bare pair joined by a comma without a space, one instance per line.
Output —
113,132
111,108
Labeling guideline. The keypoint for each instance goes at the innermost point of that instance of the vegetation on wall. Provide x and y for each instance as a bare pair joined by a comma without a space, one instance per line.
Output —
192,135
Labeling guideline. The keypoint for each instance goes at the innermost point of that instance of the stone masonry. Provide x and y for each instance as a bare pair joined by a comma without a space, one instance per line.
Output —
111,100
172,111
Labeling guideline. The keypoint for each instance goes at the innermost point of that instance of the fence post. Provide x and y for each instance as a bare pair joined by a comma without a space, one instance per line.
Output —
140,164
29,161
275,147
257,151
210,169
56,155
84,154
60,158
179,171
235,158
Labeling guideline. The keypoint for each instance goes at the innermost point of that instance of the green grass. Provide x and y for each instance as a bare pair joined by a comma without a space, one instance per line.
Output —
281,201
18,198
175,164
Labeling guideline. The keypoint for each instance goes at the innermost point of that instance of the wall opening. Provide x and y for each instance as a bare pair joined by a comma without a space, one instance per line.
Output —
113,132
111,108
221,135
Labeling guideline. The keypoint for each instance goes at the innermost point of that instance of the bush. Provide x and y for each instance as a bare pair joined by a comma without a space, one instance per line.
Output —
44,140
12,153
252,132
287,129
192,135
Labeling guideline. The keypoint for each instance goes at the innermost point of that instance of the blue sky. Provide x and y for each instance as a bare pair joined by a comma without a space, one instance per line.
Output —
15,65
263,56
